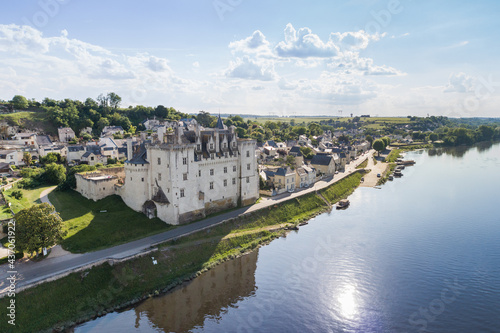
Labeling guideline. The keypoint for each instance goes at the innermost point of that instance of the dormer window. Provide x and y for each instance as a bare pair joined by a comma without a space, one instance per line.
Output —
224,145
211,146
198,147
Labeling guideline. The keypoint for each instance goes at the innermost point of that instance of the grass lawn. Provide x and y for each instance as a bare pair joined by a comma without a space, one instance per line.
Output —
30,197
90,230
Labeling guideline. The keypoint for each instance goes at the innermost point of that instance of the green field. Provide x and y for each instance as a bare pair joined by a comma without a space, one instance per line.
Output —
30,197
374,122
89,229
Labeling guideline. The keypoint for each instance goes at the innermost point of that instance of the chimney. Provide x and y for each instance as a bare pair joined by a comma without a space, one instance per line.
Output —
217,143
129,149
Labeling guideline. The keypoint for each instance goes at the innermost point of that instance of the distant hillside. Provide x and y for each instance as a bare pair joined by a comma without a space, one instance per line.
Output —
30,120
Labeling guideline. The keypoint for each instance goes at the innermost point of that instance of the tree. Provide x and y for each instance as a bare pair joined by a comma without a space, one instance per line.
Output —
37,227
205,119
378,145
433,137
27,158
19,102
386,140
114,100
369,138
55,173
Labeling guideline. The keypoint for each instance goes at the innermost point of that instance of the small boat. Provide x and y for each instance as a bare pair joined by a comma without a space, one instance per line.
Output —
343,204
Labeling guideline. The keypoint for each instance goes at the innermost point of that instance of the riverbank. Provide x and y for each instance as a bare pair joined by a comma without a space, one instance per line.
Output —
105,288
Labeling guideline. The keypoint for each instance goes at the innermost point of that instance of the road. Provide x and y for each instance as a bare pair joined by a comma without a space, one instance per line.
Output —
29,272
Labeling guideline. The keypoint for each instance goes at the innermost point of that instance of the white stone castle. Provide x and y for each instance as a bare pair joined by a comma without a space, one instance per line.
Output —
183,174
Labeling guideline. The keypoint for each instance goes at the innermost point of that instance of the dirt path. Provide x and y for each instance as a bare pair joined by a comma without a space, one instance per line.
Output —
44,196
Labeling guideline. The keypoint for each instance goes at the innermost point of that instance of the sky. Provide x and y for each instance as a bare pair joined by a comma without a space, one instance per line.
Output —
277,58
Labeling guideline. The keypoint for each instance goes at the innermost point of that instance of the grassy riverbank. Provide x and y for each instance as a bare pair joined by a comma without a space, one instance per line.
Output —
106,288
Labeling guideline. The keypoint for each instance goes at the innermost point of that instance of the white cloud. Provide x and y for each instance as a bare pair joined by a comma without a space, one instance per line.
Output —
304,44
196,64
247,68
283,84
460,82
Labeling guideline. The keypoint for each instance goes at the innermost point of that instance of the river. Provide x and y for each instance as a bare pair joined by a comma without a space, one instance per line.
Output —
421,254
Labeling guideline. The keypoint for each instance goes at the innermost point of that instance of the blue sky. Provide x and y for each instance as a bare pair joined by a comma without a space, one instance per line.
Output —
391,57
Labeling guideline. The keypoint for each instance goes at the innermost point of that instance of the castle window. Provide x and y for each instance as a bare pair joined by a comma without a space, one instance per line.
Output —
142,179
159,161
225,169
234,181
199,173
224,145
198,147
211,146
211,185
182,193
211,172
185,176
248,153
130,178
225,182
226,154
234,168
159,176
212,156
248,166
248,180
184,160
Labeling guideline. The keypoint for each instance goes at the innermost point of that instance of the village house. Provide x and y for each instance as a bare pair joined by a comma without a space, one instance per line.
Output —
11,157
109,131
297,154
26,139
324,164
306,176
75,153
65,134
183,175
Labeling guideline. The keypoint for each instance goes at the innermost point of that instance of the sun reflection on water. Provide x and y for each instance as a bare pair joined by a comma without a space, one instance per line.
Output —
347,301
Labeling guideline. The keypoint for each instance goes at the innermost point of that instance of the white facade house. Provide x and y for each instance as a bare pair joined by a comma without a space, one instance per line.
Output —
65,134
26,139
186,174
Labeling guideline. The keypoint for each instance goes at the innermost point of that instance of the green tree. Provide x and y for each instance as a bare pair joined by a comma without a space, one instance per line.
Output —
433,137
386,140
114,100
19,102
369,138
37,227
205,119
307,152
55,173
27,158
378,145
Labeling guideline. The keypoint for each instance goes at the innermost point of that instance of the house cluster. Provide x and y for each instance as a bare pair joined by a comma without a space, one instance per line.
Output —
326,160
15,143
181,173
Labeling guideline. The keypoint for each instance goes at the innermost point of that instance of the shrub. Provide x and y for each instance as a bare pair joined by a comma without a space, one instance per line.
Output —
18,194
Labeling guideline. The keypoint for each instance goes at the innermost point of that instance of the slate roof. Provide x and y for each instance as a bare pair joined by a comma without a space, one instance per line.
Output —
320,159
295,151
74,149
43,140
140,157
283,172
220,124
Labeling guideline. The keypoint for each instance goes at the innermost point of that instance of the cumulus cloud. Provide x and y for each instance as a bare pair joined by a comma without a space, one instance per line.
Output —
247,68
460,82
353,41
304,44
158,64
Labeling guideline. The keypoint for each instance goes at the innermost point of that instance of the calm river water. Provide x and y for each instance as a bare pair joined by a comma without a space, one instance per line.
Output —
422,254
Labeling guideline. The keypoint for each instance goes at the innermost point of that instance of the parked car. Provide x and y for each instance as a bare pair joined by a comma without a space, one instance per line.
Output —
379,175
